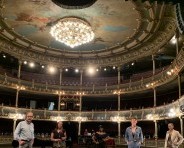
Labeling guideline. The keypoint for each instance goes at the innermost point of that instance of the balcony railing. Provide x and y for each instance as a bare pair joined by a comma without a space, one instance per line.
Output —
159,79
157,113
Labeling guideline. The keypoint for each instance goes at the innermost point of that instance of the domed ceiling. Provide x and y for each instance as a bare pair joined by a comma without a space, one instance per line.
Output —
120,28
110,23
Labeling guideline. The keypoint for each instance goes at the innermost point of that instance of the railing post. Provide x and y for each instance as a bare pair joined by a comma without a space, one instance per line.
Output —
14,125
17,98
79,128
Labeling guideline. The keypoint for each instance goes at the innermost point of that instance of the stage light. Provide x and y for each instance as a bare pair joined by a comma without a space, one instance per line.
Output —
43,66
76,70
25,62
31,64
91,70
52,69
66,69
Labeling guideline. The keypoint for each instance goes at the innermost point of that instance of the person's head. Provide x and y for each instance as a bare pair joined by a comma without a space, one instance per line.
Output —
134,121
170,126
29,117
86,130
101,129
59,125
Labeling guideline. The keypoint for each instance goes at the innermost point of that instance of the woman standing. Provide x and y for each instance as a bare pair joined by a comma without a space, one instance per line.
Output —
58,136
173,138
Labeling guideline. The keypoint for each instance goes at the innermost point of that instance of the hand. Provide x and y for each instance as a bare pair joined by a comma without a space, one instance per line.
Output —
58,140
128,142
32,141
21,142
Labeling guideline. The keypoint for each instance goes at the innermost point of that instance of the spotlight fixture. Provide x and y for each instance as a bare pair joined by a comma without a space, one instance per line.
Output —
72,31
51,69
76,70
31,64
91,70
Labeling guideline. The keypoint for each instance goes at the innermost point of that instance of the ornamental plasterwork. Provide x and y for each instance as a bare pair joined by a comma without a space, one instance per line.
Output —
148,83
156,41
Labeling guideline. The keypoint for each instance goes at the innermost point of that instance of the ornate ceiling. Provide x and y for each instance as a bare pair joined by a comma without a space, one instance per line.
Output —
124,31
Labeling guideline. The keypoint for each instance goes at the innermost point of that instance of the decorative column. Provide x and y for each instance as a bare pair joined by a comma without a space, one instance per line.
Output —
156,129
119,77
155,96
119,131
119,102
81,75
59,103
14,124
79,130
181,125
153,60
60,76
17,97
80,102
179,85
19,69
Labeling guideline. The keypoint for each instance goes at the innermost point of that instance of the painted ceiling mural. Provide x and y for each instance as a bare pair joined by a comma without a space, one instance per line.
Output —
112,21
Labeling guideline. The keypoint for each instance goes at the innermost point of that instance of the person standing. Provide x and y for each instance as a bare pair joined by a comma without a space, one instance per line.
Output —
173,138
24,132
58,136
134,135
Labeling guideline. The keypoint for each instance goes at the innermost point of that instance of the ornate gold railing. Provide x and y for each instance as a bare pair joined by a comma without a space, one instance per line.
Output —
159,79
157,113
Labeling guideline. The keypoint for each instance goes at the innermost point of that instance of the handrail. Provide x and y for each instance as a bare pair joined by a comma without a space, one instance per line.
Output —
144,114
166,76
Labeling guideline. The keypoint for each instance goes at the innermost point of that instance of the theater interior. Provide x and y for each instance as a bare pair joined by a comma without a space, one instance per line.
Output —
89,63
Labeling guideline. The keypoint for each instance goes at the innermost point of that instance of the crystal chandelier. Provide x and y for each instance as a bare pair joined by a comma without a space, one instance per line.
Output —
72,31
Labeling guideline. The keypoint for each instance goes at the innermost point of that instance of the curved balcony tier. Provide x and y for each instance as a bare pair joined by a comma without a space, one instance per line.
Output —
164,77
168,111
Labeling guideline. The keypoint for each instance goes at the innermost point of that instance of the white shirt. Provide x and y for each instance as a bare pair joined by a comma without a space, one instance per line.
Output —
24,131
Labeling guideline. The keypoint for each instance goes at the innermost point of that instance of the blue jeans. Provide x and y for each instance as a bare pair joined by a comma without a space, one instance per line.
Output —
133,144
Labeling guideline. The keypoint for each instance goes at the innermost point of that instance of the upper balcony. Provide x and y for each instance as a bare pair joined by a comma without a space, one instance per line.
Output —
95,86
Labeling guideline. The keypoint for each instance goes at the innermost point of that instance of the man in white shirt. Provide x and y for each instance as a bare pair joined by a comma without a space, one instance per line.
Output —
24,132
173,138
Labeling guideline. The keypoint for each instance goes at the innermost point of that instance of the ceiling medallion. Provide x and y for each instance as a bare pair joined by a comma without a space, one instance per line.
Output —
74,4
72,31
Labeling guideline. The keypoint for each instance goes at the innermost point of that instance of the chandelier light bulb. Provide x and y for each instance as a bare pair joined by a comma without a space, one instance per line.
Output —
72,32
